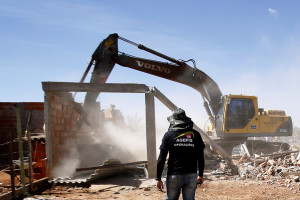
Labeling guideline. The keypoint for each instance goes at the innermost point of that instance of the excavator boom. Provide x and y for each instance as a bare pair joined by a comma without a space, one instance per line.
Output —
106,56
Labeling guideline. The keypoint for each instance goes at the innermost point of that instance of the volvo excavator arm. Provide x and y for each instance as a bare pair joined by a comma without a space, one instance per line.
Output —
107,55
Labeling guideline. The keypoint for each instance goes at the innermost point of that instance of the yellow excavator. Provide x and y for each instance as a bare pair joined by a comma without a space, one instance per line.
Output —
234,118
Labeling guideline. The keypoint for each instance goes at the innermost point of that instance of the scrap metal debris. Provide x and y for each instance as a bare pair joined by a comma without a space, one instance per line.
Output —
84,176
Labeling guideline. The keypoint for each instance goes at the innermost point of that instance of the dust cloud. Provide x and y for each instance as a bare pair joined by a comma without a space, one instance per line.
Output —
115,138
67,164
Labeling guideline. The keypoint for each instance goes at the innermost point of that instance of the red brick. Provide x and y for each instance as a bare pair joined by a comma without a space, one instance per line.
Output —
12,116
34,104
8,130
7,112
9,125
6,107
33,108
8,121
7,104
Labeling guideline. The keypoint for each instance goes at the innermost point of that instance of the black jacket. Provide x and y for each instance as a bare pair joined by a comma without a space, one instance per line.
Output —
185,148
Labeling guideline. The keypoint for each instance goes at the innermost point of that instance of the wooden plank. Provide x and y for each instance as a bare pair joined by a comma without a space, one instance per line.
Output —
94,87
21,155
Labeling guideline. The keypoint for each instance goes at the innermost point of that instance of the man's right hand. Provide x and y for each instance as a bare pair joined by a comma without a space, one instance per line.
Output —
200,180
160,185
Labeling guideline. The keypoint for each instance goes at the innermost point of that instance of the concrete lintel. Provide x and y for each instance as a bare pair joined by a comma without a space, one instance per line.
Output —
94,87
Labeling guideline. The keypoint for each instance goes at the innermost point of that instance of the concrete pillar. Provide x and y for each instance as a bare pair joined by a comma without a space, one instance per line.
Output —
150,134
47,134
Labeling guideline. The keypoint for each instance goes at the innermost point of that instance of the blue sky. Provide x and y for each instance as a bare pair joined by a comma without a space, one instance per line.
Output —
247,47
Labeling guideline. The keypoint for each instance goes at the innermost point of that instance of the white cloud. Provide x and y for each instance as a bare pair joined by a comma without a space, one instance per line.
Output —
273,12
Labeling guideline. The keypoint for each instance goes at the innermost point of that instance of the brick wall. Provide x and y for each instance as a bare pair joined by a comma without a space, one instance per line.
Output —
8,123
62,129
37,116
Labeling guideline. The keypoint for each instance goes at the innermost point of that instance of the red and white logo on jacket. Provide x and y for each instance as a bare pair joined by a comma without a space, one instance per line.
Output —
188,136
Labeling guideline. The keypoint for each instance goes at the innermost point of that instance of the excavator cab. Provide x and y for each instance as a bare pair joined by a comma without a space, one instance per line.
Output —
239,112
239,116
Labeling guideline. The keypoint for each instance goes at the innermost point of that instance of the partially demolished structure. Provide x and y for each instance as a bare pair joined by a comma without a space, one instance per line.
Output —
62,131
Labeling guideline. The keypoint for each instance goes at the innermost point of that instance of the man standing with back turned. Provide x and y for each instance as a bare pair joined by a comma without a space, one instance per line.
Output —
185,147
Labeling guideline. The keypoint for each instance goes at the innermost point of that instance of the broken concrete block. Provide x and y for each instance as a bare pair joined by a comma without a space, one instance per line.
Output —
298,163
272,162
259,161
243,159
223,166
295,178
293,159
271,171
263,165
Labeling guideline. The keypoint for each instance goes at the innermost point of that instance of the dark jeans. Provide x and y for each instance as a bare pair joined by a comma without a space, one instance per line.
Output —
186,182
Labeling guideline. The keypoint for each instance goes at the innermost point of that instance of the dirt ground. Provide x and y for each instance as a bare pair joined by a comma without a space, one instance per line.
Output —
215,188
5,182
129,188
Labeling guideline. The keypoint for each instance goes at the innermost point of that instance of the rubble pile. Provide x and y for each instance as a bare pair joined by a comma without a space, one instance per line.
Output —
261,167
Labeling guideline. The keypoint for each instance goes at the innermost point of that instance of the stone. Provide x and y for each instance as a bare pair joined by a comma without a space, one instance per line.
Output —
272,162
